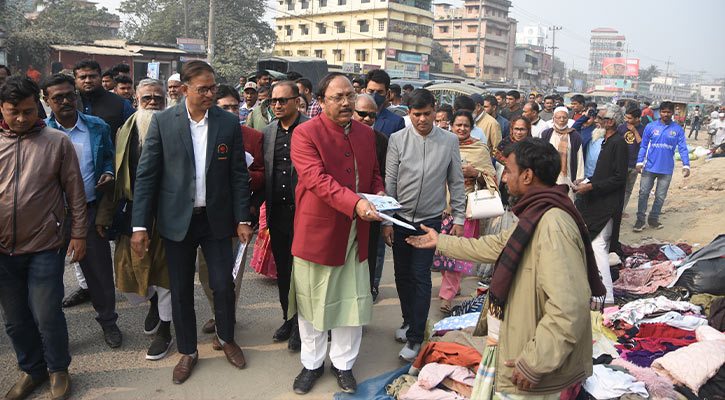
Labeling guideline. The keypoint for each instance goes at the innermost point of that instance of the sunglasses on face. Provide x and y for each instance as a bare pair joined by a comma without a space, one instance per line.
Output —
365,114
281,100
147,98
58,99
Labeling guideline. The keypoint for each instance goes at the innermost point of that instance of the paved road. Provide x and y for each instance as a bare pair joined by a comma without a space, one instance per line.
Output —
124,373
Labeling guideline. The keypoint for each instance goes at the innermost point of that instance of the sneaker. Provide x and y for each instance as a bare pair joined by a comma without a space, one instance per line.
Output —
655,225
294,343
306,379
283,332
401,334
152,321
345,379
112,335
638,226
161,345
409,352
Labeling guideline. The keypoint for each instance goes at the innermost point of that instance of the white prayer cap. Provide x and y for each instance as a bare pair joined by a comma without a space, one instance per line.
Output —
561,109
175,77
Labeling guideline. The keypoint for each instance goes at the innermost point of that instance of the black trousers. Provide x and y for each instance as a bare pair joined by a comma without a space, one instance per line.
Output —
280,234
373,238
181,258
97,267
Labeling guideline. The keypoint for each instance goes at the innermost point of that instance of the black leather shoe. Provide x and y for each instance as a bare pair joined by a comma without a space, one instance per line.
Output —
344,379
295,343
306,379
24,386
59,385
113,336
284,331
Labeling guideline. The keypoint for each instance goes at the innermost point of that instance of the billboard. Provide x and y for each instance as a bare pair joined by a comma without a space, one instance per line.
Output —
620,66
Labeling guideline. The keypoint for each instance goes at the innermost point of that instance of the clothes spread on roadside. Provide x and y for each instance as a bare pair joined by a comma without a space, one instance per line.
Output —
447,353
634,312
457,322
606,383
646,279
469,306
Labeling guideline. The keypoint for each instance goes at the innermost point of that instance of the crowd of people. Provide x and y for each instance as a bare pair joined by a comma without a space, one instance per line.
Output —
180,174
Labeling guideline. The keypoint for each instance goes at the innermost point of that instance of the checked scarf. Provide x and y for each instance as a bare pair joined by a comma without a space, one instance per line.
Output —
530,209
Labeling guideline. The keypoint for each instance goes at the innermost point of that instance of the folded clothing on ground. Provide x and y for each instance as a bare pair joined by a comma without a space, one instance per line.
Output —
693,365
635,311
646,279
606,383
457,322
658,386
447,353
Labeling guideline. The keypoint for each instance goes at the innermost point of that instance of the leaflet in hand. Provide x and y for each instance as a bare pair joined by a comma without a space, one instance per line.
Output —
382,203
238,261
396,221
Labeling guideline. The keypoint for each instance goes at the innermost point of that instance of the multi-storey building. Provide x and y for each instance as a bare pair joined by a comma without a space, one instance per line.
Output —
604,43
532,66
457,30
358,35
532,35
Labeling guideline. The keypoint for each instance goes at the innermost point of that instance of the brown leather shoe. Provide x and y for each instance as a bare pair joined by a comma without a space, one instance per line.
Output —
215,343
209,327
234,354
183,368
59,385
24,386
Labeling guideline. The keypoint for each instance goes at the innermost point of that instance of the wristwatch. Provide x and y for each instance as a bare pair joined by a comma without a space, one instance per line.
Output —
248,223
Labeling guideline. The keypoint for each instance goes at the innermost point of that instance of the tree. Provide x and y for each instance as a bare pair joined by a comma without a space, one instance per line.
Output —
241,36
646,75
438,56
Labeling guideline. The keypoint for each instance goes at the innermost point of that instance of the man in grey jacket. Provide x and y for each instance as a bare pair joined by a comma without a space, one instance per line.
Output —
422,162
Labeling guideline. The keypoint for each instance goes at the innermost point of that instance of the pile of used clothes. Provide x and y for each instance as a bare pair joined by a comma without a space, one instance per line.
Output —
664,339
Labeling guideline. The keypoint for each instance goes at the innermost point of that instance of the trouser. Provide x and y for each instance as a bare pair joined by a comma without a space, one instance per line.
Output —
180,257
97,267
344,347
695,127
600,245
450,284
163,303
646,182
631,179
373,249
412,277
204,275
31,293
79,276
280,236
382,248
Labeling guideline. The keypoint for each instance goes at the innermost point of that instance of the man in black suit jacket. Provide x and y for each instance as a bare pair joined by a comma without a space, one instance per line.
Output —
193,177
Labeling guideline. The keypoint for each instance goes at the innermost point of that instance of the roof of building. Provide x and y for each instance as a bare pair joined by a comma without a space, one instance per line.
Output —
604,30
98,50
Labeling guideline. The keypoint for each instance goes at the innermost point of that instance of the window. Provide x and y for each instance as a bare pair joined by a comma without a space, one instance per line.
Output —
361,55
340,26
304,29
341,2
305,5
488,51
381,25
287,53
364,26
323,3
496,52
472,28
470,49
443,29
302,53
279,27
321,28
338,54
381,53
364,1
457,27
320,53
290,5
289,30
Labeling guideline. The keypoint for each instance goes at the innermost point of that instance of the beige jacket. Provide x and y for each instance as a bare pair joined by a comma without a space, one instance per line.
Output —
492,129
546,328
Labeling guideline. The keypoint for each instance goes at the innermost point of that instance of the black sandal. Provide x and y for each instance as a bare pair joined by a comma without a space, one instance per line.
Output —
80,296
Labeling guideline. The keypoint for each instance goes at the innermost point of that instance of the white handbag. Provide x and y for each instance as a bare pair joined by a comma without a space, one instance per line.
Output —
483,204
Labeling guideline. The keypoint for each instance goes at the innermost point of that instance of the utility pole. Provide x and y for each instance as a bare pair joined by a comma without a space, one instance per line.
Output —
478,41
667,75
210,45
553,30
186,18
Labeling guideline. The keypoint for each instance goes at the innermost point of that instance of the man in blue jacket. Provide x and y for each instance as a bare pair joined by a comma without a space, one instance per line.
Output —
656,162
91,137
377,84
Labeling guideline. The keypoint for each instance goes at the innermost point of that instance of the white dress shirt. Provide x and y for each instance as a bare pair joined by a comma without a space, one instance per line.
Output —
538,127
199,135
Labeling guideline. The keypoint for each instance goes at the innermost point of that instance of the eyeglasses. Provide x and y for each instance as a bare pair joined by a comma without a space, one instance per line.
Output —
203,90
520,129
365,114
147,98
230,107
341,99
58,99
281,100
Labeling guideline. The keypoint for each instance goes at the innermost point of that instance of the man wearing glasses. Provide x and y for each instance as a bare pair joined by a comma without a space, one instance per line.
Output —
279,195
146,278
192,175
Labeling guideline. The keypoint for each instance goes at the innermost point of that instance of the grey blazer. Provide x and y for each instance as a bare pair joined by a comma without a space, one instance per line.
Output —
270,134
165,178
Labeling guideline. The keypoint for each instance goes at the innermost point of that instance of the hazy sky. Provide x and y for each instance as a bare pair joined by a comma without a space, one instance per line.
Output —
688,32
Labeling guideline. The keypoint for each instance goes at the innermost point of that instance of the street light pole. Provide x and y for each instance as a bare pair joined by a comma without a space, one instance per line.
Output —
553,30
478,41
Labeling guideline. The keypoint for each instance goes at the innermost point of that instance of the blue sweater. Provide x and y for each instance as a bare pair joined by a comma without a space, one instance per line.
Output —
657,151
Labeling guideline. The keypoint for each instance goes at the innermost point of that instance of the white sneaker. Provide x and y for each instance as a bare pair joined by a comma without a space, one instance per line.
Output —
409,352
401,334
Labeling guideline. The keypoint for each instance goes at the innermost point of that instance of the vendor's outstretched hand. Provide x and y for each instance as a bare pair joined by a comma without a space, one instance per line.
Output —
427,241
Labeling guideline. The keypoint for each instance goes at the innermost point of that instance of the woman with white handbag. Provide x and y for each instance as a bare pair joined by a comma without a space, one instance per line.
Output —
478,172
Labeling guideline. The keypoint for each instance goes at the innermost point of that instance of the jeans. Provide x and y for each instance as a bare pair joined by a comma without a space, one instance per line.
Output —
181,257
31,293
376,254
646,182
631,179
412,277
695,127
